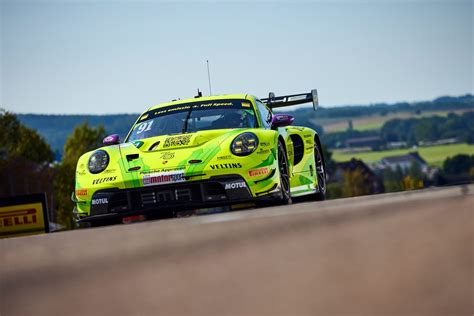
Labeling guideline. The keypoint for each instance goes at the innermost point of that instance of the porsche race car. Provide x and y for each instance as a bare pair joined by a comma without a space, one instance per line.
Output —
201,152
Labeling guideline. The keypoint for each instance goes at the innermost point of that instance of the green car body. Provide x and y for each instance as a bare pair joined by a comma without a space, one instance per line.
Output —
230,149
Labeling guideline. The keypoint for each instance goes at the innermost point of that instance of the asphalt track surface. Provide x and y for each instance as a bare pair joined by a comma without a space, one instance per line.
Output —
392,254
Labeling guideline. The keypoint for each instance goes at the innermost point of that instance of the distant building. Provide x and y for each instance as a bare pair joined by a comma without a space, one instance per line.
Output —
404,162
446,141
365,142
396,145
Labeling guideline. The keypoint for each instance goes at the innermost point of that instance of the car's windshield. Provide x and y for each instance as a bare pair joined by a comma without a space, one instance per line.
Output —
193,117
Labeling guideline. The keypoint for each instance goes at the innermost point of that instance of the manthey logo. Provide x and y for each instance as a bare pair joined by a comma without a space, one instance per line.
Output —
236,165
177,141
164,177
235,185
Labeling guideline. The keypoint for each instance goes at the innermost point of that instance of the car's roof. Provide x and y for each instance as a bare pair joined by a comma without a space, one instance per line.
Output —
204,98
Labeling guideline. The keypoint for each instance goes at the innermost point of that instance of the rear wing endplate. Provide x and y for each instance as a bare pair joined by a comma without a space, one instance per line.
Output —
276,102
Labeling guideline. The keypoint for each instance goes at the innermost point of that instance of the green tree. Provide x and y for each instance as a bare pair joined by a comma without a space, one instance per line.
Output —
458,164
24,159
16,141
393,180
355,183
83,139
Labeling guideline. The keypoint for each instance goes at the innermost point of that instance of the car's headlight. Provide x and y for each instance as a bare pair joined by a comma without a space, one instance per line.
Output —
244,144
98,161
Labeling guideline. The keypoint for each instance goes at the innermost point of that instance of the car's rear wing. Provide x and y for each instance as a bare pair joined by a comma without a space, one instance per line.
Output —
275,102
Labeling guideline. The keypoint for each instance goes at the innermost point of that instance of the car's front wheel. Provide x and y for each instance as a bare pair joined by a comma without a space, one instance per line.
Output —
284,175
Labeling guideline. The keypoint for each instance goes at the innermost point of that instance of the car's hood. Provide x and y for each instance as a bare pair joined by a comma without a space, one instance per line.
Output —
181,141
174,151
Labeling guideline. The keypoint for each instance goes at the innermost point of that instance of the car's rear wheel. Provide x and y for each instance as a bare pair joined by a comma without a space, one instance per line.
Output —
320,173
284,175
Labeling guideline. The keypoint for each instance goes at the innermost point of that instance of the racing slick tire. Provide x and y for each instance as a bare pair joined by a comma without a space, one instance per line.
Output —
284,175
320,195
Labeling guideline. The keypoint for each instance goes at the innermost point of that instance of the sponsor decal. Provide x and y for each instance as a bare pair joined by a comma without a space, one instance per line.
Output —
177,141
23,215
214,104
103,180
167,155
163,177
81,169
110,171
224,157
18,217
235,185
138,143
100,201
258,172
246,104
162,170
297,98
264,144
263,151
236,165
81,192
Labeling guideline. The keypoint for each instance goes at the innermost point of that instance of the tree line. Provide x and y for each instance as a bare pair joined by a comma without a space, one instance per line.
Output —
27,164
413,130
56,128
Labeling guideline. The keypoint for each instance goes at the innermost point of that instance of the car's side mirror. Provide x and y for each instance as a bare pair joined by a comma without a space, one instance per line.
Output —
280,120
113,139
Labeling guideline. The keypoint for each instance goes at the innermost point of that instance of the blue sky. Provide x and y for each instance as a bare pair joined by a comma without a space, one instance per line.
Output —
120,56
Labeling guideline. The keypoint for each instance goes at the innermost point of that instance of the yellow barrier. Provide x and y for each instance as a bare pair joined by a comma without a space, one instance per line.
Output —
23,215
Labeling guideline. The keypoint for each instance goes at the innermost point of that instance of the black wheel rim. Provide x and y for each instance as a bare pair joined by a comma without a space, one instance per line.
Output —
284,177
320,169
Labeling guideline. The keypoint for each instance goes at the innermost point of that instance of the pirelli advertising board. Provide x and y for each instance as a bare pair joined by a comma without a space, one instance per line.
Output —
23,215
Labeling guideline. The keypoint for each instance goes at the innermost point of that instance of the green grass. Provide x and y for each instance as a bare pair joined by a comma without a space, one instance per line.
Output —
376,121
434,155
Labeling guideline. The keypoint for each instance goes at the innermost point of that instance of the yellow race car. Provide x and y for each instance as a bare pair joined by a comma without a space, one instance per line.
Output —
200,153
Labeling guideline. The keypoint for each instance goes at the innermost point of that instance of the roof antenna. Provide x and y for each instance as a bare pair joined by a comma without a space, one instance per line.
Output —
199,95
209,77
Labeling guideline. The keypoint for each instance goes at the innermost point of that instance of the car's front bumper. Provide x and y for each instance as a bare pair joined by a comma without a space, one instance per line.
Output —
166,200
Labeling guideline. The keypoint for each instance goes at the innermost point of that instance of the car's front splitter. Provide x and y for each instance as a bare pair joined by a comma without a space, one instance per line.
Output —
166,200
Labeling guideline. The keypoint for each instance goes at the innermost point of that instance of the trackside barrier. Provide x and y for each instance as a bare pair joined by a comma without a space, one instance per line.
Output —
23,215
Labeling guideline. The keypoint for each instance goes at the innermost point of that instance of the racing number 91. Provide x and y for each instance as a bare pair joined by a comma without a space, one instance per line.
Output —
144,127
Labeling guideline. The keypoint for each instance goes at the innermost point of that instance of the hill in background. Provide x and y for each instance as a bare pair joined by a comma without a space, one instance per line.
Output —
56,128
